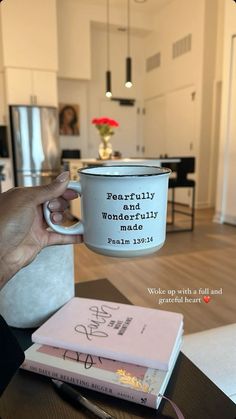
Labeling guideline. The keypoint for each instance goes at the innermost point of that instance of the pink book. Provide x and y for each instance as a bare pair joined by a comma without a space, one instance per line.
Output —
126,381
126,333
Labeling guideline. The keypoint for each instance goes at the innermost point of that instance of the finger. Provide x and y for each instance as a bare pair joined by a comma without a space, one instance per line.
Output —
53,190
69,194
56,238
58,204
56,217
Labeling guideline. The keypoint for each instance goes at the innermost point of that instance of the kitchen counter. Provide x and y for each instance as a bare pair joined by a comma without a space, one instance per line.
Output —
128,161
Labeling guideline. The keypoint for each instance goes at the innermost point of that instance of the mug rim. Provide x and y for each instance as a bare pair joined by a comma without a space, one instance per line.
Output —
162,170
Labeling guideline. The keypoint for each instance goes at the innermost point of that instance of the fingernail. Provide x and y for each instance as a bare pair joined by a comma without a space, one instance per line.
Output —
53,205
57,217
63,177
73,194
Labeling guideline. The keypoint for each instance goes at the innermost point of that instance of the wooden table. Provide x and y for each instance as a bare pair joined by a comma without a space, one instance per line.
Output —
31,396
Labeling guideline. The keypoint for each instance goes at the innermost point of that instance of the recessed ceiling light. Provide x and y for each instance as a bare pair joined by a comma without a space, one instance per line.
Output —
140,1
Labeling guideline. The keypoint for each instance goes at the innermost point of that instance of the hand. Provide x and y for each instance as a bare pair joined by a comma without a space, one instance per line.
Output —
23,230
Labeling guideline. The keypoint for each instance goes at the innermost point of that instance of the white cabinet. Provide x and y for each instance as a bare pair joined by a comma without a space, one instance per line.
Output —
44,87
18,86
25,86
28,41
29,34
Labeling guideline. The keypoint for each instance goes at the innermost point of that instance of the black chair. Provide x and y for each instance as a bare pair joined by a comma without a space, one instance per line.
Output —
182,168
2,176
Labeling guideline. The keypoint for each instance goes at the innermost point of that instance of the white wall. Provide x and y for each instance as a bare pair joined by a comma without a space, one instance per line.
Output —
90,95
217,98
82,65
185,86
75,18
173,22
225,200
97,84
75,92
176,85
208,141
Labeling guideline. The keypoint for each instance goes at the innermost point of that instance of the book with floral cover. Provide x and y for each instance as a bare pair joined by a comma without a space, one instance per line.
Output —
126,381
127,333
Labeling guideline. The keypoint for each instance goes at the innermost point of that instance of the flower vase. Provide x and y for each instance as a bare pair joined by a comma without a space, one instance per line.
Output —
105,148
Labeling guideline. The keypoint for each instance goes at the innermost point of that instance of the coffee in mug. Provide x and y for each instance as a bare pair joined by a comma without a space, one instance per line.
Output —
123,209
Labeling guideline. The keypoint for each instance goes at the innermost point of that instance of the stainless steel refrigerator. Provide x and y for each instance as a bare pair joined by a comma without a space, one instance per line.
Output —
35,144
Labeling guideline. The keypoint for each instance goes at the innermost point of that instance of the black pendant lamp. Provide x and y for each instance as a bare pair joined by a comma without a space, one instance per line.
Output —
108,72
128,80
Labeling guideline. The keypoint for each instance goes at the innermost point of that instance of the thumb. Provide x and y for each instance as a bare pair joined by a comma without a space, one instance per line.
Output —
52,190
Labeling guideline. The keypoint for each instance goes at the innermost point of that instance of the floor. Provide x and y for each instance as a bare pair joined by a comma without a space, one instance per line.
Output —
194,273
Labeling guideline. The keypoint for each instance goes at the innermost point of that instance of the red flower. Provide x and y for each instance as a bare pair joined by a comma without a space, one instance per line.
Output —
105,121
105,125
113,123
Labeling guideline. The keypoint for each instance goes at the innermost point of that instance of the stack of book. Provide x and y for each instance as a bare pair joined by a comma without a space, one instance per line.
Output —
122,350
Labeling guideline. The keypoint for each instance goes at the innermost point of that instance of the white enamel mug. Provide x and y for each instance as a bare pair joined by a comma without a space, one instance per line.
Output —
123,209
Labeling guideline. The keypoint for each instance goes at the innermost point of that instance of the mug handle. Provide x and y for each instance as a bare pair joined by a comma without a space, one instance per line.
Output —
77,228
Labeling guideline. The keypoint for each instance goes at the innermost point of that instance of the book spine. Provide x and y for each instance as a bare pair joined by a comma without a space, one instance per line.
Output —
112,389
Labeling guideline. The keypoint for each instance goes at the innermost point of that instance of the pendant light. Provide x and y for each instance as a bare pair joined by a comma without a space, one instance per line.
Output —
128,82
108,72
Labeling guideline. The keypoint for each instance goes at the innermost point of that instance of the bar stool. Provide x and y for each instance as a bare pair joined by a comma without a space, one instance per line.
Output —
2,177
182,168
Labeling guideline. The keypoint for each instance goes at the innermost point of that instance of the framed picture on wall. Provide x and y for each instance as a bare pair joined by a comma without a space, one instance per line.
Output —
69,119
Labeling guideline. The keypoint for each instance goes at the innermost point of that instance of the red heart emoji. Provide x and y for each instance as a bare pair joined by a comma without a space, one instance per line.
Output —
206,298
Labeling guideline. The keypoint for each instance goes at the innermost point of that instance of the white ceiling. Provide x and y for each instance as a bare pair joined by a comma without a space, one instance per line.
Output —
149,6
